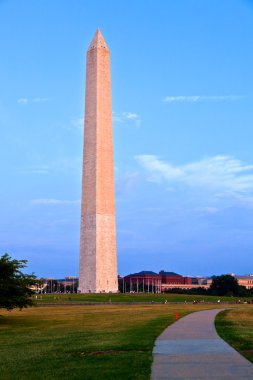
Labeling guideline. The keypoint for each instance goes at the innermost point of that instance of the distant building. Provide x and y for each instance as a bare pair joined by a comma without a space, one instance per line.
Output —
199,280
142,282
151,282
246,280
171,278
62,285
145,281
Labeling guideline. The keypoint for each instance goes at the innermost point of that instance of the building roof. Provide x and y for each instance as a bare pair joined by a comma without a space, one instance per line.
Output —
143,272
245,277
163,273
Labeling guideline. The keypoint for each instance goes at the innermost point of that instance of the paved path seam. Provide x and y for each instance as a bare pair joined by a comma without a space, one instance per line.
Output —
191,349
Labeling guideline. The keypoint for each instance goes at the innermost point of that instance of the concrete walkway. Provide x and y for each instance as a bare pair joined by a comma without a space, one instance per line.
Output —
190,349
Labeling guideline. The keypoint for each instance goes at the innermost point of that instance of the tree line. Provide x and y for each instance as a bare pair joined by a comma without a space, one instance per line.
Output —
223,285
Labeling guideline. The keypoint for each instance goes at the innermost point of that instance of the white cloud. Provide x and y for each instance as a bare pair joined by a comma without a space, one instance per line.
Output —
77,123
37,169
200,98
116,118
71,164
23,100
222,176
52,201
125,181
40,100
61,164
158,169
125,117
130,115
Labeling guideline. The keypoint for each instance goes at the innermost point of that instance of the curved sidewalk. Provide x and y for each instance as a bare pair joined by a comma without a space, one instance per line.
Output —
190,349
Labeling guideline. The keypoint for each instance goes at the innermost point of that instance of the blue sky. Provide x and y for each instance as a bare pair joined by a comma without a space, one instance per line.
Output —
182,84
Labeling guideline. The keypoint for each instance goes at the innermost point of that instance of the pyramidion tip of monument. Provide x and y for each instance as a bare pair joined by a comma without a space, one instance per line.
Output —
98,41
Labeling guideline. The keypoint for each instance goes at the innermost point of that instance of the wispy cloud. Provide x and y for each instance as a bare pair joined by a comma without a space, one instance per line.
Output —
201,98
36,169
131,118
40,100
125,181
61,164
77,123
125,117
52,201
208,210
130,115
56,222
72,164
25,101
223,176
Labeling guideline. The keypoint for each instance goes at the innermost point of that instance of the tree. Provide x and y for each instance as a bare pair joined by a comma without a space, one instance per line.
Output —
224,285
15,286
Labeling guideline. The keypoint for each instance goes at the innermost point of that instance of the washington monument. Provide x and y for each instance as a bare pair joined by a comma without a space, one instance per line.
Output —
98,257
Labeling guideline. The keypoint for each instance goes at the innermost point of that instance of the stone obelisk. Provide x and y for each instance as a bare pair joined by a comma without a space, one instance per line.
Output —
98,257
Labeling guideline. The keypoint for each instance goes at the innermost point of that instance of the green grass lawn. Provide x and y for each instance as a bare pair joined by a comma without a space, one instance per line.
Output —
90,342
83,342
130,297
236,327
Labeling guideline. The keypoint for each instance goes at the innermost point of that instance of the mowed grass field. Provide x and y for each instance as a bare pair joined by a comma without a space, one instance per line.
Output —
85,342
82,342
132,297
236,327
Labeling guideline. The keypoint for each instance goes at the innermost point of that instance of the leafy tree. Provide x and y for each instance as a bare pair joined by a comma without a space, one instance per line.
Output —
15,286
224,285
